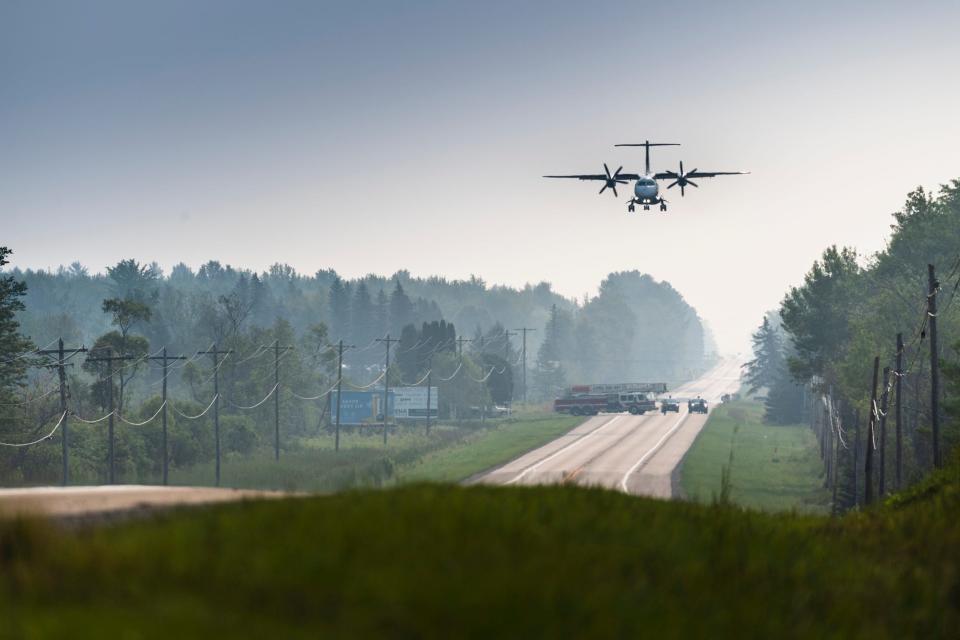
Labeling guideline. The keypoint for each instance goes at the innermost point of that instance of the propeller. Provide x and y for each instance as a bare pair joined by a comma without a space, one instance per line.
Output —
612,180
682,180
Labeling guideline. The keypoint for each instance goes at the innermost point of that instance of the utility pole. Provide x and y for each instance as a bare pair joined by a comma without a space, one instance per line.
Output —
386,384
164,359
506,354
525,330
871,434
62,375
899,375
276,397
883,430
110,359
429,387
933,287
460,342
856,457
836,459
340,346
216,352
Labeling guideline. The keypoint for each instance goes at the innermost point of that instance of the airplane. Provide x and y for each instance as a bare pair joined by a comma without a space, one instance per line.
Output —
646,192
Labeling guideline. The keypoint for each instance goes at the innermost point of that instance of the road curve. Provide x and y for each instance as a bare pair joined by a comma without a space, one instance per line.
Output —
635,454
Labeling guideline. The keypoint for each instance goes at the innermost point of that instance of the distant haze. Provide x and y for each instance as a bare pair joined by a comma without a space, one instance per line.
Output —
373,137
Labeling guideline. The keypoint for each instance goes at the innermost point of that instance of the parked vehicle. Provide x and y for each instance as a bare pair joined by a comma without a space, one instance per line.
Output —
668,404
699,405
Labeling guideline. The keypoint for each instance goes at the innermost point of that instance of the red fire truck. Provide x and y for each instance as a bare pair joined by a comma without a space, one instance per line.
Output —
589,400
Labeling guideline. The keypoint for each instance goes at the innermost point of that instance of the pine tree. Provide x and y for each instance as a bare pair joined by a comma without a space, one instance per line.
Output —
549,377
382,314
13,368
401,309
407,353
767,357
339,299
784,403
362,314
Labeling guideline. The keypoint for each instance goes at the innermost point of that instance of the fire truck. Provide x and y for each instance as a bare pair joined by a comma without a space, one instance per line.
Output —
591,399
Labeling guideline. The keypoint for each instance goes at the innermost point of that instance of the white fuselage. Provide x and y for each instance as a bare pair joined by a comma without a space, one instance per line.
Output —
645,189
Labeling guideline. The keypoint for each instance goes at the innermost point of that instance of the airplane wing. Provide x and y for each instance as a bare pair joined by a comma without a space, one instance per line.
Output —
599,176
670,175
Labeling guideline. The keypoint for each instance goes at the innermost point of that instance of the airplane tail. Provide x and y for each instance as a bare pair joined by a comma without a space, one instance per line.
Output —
647,144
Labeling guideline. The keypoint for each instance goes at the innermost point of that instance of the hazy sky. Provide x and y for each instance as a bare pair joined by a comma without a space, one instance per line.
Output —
377,136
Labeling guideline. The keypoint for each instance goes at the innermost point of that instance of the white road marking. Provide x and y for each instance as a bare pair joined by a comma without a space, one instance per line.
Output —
532,467
651,451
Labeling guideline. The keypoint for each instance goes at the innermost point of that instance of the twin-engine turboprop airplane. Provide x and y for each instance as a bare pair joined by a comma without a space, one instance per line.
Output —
646,191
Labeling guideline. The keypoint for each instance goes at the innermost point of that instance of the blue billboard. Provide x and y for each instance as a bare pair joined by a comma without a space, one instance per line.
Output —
359,407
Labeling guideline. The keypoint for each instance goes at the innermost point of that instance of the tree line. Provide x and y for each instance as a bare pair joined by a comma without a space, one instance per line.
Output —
635,329
820,346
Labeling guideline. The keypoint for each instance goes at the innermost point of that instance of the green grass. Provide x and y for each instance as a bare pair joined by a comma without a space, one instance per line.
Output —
439,561
774,467
489,448
450,453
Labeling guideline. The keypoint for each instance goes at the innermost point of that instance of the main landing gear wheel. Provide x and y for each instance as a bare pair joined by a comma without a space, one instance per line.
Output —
663,208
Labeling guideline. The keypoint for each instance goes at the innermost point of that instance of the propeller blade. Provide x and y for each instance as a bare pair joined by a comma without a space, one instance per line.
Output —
622,181
614,187
693,184
681,167
682,194
694,171
673,184
616,173
607,169
604,189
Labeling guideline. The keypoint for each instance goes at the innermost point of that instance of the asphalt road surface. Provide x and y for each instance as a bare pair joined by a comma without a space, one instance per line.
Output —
635,454
80,501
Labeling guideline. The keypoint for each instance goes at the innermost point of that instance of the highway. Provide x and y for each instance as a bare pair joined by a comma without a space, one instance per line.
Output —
635,454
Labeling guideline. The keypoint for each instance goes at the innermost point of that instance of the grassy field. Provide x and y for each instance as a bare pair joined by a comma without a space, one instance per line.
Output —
488,448
450,453
439,561
774,467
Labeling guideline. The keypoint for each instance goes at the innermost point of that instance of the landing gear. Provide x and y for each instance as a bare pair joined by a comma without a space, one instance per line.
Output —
663,207
631,208
646,207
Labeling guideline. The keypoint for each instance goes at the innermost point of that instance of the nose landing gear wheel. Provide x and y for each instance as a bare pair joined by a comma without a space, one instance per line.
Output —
646,207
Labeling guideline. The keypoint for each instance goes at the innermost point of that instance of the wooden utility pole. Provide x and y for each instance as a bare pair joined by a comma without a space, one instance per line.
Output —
276,396
429,390
856,457
62,375
524,330
110,359
899,413
336,437
871,435
460,342
386,383
216,352
883,430
506,354
164,360
836,458
933,287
